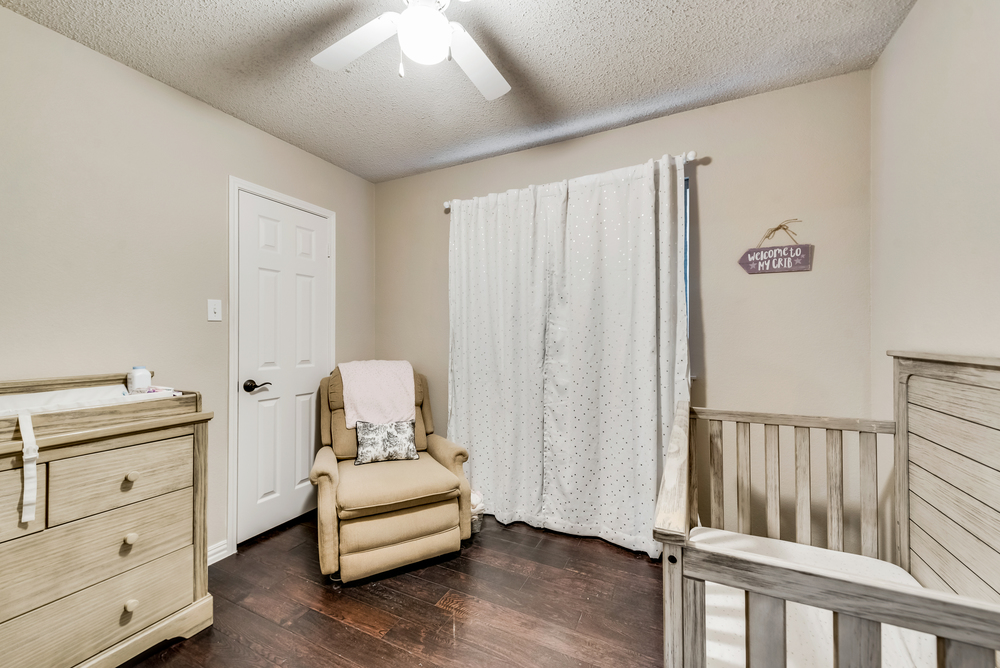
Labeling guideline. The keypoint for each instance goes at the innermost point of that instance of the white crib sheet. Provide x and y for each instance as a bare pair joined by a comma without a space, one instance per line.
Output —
809,631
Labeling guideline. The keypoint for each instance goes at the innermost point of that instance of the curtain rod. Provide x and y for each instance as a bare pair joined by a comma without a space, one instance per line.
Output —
688,157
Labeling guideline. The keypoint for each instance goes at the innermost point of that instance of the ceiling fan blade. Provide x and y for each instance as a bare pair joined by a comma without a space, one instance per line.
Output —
367,37
476,65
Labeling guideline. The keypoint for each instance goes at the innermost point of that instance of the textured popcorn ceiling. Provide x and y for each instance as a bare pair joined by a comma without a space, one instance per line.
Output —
576,66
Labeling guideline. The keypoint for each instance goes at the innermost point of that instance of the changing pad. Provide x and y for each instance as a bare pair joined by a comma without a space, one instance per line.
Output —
808,630
64,400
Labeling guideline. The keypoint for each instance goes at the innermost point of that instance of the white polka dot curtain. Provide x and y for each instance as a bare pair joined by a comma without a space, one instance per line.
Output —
553,377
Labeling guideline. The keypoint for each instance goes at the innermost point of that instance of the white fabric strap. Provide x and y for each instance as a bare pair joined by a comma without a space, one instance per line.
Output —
29,455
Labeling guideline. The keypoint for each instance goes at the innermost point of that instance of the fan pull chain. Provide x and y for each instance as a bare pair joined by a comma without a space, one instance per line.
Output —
401,63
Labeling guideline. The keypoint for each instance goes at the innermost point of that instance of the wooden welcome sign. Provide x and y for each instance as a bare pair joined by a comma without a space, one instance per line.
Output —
778,259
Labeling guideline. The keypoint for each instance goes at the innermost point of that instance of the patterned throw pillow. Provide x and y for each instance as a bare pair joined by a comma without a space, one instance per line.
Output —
385,442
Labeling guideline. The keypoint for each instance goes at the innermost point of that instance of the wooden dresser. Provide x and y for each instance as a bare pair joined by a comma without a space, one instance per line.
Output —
116,558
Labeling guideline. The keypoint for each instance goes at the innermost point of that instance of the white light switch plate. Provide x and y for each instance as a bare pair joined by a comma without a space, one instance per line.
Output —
215,310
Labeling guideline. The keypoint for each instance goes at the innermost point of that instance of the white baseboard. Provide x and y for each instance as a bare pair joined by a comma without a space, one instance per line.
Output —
218,552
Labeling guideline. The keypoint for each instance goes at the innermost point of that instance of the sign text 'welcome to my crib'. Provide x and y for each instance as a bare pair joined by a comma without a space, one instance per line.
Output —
777,259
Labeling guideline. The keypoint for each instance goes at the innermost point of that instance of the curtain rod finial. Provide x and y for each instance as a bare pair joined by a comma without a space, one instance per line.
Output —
691,156
447,207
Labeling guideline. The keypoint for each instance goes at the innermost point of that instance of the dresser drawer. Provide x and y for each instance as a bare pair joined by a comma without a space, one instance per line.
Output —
90,484
11,487
48,565
74,628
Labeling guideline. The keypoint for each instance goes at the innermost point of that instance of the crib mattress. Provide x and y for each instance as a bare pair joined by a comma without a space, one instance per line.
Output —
808,630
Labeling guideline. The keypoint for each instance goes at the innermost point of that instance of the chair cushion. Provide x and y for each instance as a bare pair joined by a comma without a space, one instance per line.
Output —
400,526
362,564
386,486
345,441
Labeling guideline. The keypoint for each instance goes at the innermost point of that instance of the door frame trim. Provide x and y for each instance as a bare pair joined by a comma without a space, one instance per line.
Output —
237,185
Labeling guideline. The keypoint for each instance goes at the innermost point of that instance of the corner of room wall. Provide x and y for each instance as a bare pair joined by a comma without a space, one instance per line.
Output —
935,201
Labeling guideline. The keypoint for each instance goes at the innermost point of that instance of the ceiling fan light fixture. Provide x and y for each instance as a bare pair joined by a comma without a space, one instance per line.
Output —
424,34
426,37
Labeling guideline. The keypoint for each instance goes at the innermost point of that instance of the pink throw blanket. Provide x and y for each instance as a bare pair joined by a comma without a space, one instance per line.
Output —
378,391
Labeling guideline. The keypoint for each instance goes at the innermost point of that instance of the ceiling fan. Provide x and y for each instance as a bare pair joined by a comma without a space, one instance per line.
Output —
426,37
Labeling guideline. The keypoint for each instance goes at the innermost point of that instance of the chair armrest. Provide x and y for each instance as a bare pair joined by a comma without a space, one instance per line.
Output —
326,476
452,456
325,466
447,454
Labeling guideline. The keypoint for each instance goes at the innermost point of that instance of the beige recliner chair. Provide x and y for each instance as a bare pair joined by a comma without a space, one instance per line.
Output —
380,516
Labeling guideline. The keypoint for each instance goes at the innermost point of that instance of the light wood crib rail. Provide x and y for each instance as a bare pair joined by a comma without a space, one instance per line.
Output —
947,534
834,429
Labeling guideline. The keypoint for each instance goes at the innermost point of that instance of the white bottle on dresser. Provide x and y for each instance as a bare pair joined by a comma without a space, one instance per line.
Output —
138,380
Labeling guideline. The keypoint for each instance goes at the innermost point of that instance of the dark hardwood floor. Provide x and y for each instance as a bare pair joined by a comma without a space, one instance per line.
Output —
514,596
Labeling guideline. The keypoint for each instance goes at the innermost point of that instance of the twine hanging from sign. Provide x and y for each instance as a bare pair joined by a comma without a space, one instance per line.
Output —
774,230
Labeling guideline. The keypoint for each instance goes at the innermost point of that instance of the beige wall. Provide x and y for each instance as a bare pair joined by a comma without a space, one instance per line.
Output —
784,342
936,187
114,225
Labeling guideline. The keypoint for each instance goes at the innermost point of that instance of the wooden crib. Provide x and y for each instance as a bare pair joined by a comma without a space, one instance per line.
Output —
946,496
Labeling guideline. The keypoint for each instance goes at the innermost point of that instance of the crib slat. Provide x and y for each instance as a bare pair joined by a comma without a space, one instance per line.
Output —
869,495
694,623
835,489
772,481
743,476
765,631
718,494
962,655
803,487
858,642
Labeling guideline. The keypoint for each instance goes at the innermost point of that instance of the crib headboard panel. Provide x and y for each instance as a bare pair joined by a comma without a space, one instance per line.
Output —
948,493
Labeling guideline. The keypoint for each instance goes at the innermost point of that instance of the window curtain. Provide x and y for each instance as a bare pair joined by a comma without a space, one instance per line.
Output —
674,294
497,309
556,378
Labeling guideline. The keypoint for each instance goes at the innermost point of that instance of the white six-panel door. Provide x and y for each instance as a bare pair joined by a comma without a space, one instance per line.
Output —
284,340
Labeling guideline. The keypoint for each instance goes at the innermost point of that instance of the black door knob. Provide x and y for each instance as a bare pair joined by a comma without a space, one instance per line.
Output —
252,385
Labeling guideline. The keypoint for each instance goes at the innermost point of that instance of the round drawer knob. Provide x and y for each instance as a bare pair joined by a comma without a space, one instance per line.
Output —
132,476
131,605
131,538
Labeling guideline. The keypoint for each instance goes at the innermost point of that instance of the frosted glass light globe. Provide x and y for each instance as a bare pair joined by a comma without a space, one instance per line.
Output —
424,34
